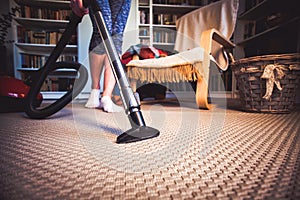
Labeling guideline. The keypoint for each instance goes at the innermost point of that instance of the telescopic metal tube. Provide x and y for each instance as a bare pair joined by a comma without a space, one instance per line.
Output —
131,105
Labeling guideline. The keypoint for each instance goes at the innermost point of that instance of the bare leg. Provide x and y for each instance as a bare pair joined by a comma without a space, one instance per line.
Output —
109,84
109,79
96,67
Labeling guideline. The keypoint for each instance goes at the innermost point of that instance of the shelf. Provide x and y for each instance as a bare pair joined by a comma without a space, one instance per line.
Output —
176,9
144,6
266,7
61,73
144,25
144,37
44,49
160,31
163,44
55,4
268,31
52,95
164,26
255,11
42,24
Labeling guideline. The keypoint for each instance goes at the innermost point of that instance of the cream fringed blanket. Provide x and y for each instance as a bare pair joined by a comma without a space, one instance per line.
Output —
220,15
186,65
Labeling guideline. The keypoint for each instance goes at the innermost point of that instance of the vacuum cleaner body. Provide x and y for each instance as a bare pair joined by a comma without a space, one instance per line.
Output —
13,94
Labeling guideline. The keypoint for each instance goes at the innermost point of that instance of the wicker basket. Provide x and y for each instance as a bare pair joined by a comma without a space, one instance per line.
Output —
268,83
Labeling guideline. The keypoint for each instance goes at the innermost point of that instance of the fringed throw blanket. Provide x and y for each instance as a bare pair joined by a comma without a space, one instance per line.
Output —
186,65
220,15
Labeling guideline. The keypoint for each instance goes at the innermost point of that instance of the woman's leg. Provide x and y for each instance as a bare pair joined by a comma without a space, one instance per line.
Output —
109,79
109,83
96,67
97,55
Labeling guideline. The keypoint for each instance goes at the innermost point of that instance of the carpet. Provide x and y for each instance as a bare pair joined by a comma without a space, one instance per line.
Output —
223,153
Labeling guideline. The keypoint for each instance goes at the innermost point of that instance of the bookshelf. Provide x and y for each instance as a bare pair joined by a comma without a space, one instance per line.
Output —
38,29
267,27
157,20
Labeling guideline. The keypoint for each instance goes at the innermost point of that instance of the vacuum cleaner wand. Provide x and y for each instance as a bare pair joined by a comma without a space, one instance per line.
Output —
139,130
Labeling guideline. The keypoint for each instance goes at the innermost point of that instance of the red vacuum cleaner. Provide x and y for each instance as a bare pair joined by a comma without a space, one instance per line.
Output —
13,93
19,96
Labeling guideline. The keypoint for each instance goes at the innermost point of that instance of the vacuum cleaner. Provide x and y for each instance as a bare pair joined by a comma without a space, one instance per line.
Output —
25,96
138,131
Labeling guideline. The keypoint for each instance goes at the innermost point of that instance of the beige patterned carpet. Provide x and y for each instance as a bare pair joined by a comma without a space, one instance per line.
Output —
222,153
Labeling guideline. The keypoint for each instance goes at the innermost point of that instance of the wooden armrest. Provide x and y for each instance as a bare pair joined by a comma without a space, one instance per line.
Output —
209,39
213,34
218,37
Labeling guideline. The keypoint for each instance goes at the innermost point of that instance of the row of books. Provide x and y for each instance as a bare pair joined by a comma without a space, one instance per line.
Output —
165,19
144,41
41,37
164,36
55,84
144,31
182,2
37,61
59,84
254,27
45,13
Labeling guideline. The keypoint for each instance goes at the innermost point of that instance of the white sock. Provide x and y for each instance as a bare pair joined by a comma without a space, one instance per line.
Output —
93,101
109,106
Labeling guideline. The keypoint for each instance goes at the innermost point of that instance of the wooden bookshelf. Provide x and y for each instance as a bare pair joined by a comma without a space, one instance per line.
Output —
38,30
157,21
267,27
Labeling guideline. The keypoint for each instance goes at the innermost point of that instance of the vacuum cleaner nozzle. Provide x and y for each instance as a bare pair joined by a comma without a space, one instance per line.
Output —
137,134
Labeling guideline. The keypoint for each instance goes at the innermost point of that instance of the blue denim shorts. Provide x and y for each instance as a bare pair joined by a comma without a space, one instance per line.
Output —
115,14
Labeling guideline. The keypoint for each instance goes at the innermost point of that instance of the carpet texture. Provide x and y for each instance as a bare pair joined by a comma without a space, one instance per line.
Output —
221,153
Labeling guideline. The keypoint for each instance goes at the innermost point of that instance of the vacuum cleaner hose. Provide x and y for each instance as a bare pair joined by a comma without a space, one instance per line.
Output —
42,112
51,65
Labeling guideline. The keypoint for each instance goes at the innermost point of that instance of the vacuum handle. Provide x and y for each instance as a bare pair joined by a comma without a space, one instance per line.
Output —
129,101
139,130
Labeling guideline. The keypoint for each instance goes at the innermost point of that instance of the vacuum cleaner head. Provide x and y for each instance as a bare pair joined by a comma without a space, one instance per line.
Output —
13,93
